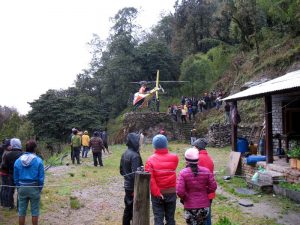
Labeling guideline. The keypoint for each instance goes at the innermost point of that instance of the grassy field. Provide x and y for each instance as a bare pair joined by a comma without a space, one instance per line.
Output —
73,194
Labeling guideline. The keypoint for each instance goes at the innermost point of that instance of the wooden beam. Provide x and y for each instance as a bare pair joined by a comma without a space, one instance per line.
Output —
269,135
233,132
141,203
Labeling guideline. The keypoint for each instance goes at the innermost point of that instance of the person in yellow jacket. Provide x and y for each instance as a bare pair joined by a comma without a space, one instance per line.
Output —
85,140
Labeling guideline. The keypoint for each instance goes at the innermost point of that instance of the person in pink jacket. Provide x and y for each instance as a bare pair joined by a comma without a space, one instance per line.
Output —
194,183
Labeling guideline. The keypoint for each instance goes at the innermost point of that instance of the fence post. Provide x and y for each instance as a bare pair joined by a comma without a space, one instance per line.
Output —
141,203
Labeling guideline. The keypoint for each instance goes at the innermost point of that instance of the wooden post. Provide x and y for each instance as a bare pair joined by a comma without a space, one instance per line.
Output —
269,136
141,202
234,132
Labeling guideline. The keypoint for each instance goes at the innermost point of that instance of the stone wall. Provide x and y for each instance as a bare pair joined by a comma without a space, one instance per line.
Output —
290,175
219,135
277,119
150,124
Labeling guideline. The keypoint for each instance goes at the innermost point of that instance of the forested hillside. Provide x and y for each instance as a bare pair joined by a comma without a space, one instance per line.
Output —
214,44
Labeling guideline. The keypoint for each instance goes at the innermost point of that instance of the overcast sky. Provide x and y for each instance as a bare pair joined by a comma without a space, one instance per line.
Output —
43,42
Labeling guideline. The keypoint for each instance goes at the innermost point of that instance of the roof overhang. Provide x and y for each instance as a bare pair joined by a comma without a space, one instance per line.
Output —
280,85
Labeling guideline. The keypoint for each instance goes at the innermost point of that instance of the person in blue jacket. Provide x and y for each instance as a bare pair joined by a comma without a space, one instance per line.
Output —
29,179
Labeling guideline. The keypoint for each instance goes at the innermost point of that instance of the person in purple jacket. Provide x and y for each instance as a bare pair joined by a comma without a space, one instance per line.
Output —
194,183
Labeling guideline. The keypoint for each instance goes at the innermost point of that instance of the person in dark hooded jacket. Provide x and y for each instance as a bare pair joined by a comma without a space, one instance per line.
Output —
10,158
130,161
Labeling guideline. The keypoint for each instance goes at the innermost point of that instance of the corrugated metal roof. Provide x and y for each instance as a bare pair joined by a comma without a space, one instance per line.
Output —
279,84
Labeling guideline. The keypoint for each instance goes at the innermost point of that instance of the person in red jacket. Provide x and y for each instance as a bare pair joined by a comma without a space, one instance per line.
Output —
206,161
162,166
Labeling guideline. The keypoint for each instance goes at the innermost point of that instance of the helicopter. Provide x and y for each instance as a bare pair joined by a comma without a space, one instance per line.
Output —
144,96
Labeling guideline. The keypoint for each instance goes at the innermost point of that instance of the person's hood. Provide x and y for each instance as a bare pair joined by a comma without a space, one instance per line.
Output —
133,141
27,159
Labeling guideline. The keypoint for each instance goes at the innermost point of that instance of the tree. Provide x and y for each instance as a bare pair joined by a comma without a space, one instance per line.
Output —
249,19
283,15
193,21
55,113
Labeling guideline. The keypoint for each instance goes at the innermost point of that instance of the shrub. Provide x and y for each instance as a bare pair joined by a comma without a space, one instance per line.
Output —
294,152
224,221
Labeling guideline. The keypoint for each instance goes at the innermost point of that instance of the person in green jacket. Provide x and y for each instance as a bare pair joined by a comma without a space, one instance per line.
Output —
76,145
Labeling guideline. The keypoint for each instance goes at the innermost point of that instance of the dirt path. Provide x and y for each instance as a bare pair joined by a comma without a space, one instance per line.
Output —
100,204
266,209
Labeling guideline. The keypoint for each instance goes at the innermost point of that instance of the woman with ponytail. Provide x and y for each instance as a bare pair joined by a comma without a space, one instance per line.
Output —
194,183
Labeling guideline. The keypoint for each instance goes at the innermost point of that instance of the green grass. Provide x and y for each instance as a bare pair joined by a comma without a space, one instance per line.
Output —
294,187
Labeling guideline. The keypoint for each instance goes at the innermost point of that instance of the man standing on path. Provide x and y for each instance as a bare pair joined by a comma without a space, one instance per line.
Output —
193,135
70,143
97,146
105,139
206,161
29,178
162,166
11,157
130,161
76,145
85,144
227,113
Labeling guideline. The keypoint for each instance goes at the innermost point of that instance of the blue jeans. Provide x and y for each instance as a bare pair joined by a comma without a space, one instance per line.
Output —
85,151
164,209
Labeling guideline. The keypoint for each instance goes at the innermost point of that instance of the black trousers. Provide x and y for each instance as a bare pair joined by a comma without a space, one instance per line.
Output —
164,209
4,192
10,192
76,155
128,211
97,158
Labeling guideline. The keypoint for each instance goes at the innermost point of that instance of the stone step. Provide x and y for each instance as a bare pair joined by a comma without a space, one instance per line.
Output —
270,177
260,186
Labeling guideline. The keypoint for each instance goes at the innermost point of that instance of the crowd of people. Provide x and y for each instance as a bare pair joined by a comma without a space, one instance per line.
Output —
82,142
24,170
190,106
195,184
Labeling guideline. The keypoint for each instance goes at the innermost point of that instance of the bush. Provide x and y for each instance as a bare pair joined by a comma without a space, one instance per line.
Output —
224,221
294,152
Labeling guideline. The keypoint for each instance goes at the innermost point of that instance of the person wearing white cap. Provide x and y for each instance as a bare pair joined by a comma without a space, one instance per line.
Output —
194,183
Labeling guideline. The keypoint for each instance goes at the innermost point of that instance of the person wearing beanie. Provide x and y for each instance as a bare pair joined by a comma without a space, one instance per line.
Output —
29,178
162,167
194,183
4,174
85,139
11,157
206,161
130,162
